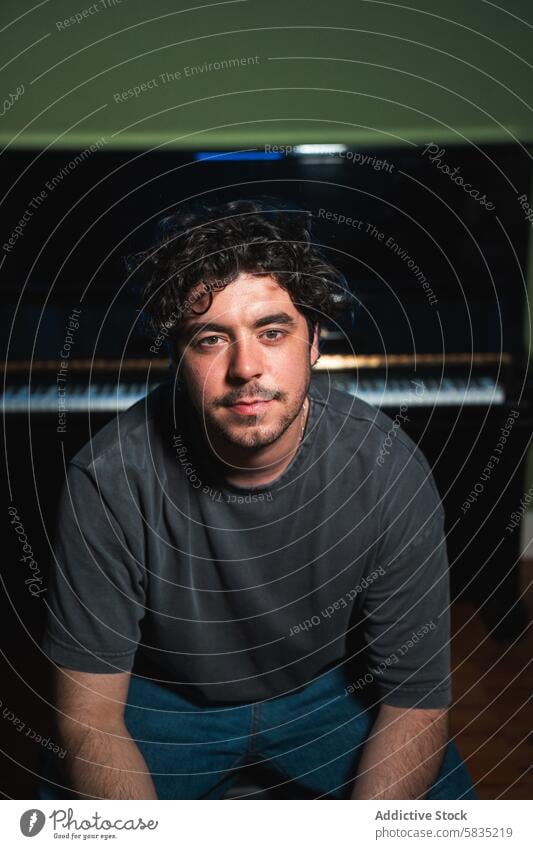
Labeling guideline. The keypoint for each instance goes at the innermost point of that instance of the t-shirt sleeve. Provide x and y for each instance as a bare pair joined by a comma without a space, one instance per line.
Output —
406,610
96,594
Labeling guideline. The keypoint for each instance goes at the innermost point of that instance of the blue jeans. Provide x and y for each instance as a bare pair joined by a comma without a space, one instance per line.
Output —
314,737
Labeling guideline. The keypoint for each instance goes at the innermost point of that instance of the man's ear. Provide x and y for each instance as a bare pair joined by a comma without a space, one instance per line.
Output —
315,351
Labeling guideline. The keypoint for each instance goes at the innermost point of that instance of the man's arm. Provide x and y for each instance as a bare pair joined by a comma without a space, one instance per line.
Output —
403,754
101,759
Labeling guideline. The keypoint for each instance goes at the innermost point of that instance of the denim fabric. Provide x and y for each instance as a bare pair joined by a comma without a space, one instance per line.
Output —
314,737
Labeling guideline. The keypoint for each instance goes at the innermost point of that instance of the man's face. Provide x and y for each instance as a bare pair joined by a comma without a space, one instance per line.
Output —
255,346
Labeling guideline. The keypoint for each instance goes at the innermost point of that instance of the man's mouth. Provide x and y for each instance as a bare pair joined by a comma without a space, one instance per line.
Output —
250,407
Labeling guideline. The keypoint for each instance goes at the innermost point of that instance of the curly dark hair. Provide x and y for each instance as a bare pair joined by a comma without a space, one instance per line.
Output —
213,244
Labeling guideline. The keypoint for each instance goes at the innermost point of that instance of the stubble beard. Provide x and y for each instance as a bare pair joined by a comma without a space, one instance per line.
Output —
252,434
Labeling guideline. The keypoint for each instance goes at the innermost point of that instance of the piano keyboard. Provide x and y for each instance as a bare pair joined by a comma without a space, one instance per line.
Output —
449,392
77,398
109,398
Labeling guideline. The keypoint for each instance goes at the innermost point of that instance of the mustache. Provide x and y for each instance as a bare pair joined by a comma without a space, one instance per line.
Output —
260,394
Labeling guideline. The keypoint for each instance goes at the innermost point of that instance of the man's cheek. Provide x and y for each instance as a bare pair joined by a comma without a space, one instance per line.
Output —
201,390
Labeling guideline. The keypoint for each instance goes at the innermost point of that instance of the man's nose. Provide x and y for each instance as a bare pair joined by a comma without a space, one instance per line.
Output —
245,359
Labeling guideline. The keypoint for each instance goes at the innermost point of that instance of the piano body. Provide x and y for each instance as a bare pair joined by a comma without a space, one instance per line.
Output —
76,352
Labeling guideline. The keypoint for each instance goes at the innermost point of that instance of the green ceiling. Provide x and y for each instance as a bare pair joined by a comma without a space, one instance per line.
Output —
273,72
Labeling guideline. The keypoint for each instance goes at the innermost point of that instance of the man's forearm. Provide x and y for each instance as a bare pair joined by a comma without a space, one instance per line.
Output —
106,765
402,755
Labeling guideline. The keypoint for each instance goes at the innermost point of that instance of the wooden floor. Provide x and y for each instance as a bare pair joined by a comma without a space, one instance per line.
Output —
491,717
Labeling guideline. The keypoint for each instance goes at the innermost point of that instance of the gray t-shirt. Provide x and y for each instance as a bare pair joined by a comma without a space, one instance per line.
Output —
235,594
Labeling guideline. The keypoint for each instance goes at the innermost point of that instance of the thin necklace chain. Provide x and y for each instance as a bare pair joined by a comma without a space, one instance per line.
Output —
303,420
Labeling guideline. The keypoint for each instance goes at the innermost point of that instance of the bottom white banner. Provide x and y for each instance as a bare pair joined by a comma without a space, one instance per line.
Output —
268,823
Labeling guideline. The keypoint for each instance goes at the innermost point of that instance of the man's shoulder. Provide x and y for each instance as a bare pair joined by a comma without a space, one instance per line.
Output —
375,433
128,434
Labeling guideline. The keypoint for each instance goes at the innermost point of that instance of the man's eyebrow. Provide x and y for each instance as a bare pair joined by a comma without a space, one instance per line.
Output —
274,318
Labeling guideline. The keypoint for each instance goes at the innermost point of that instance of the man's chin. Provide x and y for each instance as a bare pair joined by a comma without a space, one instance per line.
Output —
248,432
254,438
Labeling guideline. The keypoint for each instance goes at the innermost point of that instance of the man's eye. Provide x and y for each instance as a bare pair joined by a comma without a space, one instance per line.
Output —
281,332
205,339
203,342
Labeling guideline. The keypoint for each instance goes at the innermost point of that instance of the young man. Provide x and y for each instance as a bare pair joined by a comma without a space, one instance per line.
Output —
247,568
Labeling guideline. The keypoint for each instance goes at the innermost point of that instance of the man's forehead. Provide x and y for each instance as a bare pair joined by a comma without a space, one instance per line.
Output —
247,292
